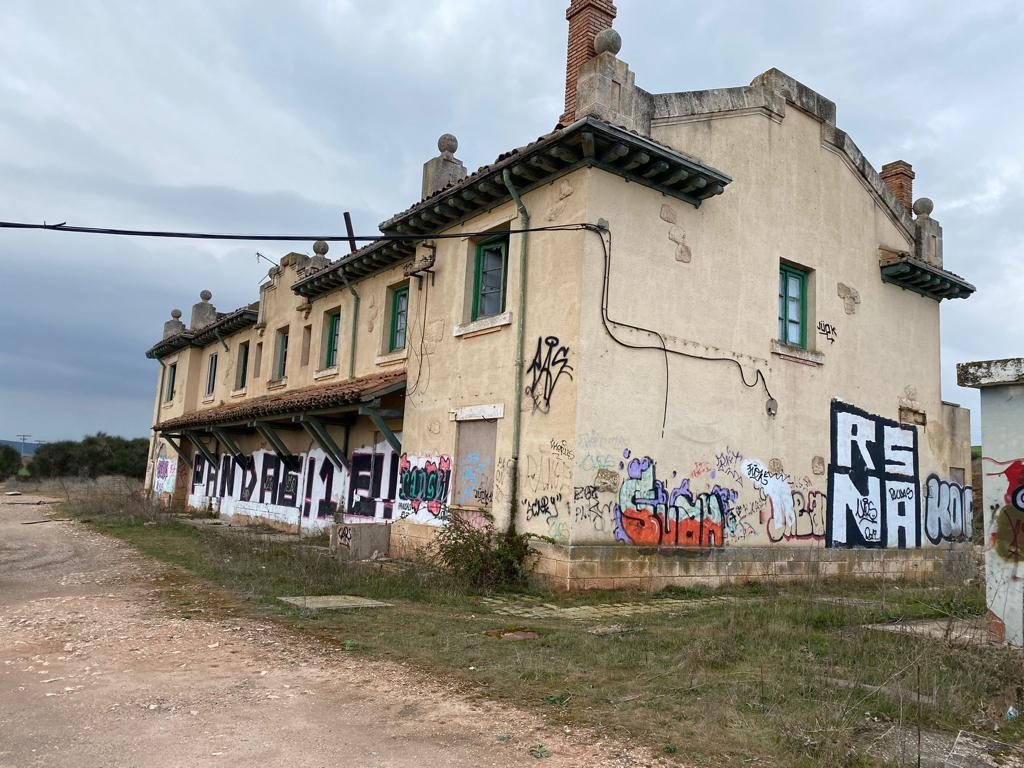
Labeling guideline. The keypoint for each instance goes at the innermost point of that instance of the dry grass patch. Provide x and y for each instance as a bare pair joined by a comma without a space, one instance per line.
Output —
778,678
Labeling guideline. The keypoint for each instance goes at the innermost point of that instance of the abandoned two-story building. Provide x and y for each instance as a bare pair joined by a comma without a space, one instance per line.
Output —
683,337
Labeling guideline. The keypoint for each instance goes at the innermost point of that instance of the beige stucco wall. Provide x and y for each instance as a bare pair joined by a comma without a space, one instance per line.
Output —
792,200
478,368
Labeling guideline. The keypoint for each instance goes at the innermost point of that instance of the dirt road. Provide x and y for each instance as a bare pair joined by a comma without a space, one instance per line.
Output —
99,667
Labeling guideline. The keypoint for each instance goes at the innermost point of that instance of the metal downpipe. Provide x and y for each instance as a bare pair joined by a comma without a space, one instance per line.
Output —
517,399
355,324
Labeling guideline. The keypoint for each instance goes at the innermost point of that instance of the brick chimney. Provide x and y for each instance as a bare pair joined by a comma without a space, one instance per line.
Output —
899,178
586,19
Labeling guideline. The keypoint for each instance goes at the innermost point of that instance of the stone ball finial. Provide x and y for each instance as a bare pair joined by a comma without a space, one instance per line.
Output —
608,41
923,207
176,314
320,248
205,295
448,144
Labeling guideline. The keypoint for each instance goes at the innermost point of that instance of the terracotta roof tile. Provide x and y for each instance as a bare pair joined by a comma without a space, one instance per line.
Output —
309,398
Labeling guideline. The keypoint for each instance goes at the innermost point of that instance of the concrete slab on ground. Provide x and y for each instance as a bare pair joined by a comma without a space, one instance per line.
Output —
974,751
333,602
531,608
972,631
897,744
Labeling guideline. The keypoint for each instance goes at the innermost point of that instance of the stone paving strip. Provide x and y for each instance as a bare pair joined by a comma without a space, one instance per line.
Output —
333,602
532,608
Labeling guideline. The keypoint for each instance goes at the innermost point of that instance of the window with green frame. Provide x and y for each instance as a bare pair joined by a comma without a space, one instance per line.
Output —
243,365
172,374
792,306
332,330
281,364
491,277
399,318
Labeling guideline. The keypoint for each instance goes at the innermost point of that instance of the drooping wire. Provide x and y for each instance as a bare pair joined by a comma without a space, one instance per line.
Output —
423,332
64,227
604,232
601,231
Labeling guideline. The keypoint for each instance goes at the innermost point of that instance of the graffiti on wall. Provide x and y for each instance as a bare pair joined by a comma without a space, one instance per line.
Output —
828,331
808,524
649,513
165,475
261,485
949,511
1008,536
872,482
550,364
1014,473
476,478
424,488
373,484
776,489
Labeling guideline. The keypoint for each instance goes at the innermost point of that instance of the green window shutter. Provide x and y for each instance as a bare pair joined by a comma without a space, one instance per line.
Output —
793,306
399,318
282,354
333,328
490,277
243,365
172,373
211,375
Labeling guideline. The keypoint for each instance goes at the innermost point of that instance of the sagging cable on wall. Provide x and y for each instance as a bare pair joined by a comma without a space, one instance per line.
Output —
604,233
601,230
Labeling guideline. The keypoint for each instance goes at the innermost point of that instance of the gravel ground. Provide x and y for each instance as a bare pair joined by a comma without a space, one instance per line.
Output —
101,666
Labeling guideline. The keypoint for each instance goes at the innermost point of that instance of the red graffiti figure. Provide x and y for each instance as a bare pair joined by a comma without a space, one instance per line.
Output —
1014,474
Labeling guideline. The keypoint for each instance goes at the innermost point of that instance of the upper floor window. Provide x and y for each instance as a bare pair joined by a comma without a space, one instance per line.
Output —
332,335
491,277
211,374
793,306
172,374
399,318
281,361
243,365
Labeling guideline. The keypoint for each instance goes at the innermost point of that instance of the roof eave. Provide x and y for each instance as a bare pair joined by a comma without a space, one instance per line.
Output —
924,279
587,143
230,324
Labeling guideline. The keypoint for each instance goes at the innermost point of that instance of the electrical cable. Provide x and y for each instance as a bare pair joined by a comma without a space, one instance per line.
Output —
410,391
603,232
63,227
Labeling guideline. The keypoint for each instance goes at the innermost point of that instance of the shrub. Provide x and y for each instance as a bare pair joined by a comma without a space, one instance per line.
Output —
96,455
481,556
10,461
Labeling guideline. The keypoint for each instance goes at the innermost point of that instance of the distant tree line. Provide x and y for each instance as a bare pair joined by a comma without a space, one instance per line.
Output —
99,454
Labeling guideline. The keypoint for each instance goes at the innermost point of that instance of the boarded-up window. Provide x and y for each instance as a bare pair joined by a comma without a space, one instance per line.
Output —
956,474
474,470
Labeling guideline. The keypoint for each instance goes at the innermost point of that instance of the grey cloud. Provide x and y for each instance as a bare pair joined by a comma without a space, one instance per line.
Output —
263,116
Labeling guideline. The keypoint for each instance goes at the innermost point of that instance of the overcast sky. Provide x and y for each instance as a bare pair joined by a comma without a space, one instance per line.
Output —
269,116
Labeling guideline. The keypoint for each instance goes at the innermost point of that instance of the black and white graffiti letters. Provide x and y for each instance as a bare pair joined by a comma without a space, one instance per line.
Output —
550,363
872,482
828,331
949,511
